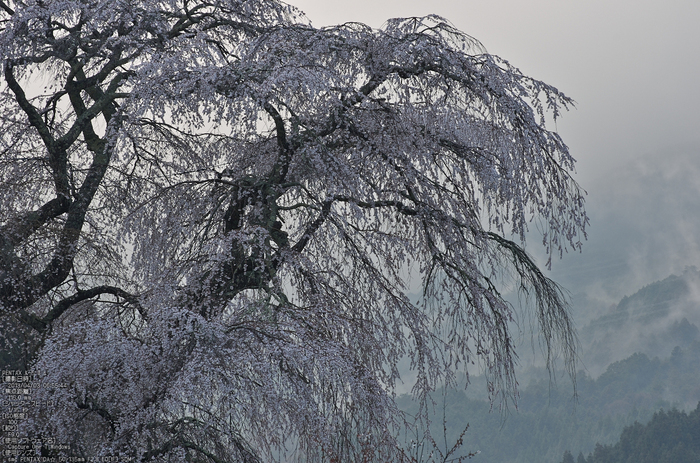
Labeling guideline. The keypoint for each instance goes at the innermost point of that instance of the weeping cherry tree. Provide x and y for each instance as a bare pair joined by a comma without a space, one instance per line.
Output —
212,216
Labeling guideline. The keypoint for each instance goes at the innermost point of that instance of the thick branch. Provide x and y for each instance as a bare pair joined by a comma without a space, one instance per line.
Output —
91,406
313,226
279,171
87,82
56,151
97,94
32,114
19,229
42,324
57,270
7,8
13,233
103,104
22,294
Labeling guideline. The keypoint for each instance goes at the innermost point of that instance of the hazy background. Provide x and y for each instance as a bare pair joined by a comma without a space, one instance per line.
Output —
633,69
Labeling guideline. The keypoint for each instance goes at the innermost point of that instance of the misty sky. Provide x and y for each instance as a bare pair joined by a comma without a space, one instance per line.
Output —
633,68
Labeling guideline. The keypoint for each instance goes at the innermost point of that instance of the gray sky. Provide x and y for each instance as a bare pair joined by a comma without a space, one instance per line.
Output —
633,68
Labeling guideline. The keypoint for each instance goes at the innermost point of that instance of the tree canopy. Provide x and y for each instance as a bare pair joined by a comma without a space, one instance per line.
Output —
210,211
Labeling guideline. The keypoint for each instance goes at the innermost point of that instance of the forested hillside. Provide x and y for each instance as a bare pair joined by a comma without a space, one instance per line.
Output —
653,320
670,437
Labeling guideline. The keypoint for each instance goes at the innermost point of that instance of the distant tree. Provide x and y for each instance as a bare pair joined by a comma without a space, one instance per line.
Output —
568,457
209,211
580,458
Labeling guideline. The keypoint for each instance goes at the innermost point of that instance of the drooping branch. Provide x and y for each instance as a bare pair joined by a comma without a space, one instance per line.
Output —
554,320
